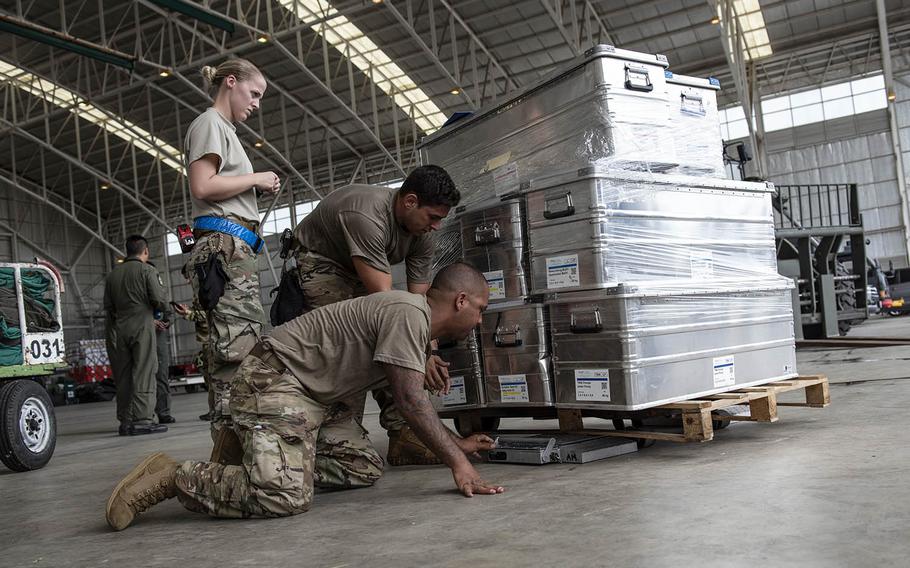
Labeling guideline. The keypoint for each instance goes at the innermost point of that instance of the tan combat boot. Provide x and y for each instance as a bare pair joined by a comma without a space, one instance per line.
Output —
148,484
405,448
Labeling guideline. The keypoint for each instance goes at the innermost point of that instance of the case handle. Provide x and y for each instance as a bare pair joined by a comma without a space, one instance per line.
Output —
507,336
566,211
487,234
638,79
582,322
692,103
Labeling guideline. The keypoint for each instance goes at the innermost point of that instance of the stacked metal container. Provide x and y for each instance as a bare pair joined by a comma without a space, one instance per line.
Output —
624,271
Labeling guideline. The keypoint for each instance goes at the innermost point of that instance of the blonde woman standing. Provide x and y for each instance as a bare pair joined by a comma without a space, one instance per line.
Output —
223,267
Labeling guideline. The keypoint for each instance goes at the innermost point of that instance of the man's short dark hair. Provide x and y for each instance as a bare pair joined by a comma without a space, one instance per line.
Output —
135,244
432,186
460,277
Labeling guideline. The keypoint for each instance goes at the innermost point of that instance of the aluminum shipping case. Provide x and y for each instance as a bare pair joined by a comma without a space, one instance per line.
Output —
595,229
516,355
626,348
493,240
607,107
465,374
695,125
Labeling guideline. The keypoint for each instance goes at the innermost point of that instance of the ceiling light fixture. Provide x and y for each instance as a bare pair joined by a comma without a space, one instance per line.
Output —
258,144
262,39
455,91
164,74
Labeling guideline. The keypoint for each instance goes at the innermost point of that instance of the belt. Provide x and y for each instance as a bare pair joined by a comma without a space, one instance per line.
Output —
228,227
265,354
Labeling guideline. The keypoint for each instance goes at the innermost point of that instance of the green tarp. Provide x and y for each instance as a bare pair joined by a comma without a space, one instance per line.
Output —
39,311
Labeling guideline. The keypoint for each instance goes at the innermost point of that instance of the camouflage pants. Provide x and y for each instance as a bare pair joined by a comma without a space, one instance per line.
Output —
235,324
324,283
291,444
201,326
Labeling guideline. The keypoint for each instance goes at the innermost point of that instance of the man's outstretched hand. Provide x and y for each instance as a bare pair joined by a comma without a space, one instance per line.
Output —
470,483
474,443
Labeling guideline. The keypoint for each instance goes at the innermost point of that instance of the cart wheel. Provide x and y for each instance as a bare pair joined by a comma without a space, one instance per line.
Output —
467,424
619,424
190,389
28,427
644,443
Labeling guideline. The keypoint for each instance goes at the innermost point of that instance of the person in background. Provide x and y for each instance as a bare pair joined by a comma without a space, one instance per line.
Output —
132,292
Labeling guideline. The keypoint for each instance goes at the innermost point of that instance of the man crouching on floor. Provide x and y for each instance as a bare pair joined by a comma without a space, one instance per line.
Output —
289,403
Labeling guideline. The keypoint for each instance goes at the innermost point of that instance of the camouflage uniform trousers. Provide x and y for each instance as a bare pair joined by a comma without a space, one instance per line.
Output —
324,283
235,324
201,327
291,444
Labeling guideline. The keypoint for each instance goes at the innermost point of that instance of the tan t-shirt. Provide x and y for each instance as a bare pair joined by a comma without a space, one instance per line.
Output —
337,351
211,133
359,220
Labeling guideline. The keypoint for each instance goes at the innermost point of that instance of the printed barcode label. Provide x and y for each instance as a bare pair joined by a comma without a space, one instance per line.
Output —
513,388
592,384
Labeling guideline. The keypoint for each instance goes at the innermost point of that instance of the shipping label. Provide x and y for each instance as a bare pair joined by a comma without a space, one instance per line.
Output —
592,385
562,271
513,388
457,393
724,371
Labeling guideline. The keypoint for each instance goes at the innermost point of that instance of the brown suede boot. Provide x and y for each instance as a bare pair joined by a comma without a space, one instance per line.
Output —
148,484
405,448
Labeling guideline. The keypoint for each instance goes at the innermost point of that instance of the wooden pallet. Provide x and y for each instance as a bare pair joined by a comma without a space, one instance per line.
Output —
698,415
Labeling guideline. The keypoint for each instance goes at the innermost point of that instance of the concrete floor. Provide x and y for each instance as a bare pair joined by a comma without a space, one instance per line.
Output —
822,487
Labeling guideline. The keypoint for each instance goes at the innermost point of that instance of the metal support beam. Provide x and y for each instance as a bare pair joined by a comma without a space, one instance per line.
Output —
100,176
38,197
734,49
555,9
337,100
892,120
430,54
35,246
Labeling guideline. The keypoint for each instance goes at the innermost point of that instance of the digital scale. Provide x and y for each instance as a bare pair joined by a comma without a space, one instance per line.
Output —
540,449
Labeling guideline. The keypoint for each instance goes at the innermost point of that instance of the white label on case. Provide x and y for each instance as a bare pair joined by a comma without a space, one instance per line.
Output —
562,271
457,393
724,371
592,384
505,179
702,265
513,388
497,283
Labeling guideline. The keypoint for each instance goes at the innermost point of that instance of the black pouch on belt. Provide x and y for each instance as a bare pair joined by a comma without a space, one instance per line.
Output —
212,280
289,299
